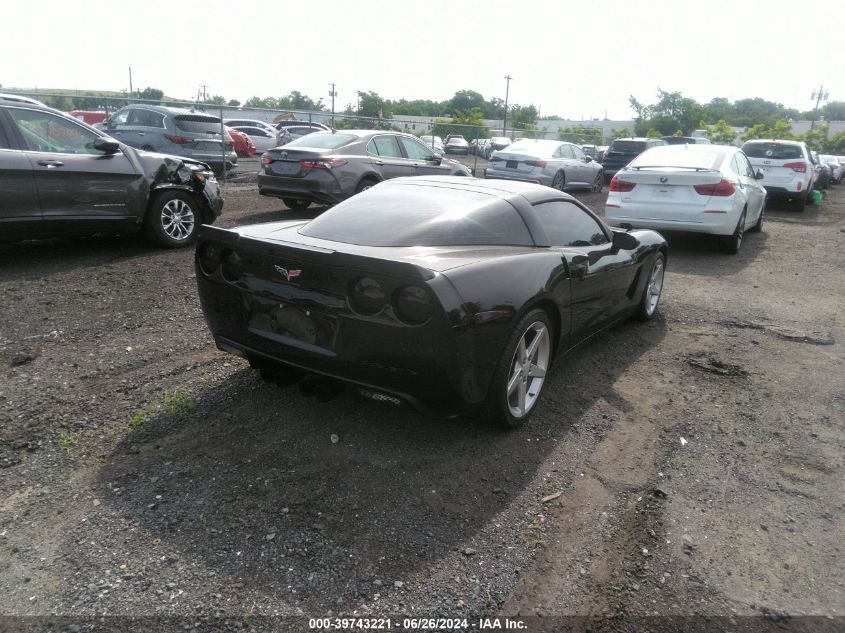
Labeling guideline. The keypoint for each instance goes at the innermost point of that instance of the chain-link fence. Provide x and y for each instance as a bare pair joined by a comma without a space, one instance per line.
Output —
95,108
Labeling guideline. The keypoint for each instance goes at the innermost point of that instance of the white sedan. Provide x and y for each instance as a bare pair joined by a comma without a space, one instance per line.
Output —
697,188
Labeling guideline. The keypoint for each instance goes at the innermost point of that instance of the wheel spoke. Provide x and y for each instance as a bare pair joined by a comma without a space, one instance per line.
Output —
521,396
536,371
520,351
516,378
531,352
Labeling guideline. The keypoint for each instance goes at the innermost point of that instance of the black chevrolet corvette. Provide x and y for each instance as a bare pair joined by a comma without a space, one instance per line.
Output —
452,294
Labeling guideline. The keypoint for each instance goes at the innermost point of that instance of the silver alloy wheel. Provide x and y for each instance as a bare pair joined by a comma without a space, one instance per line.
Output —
599,182
528,369
655,287
177,219
558,181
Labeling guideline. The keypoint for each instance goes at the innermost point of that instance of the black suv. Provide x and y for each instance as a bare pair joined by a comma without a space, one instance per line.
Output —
623,150
60,176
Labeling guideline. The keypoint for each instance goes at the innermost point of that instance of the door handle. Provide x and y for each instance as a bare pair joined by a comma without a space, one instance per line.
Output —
140,134
50,163
416,165
380,162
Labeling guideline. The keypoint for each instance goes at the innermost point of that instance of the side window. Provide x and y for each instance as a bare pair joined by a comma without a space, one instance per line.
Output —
137,117
578,152
414,150
567,224
4,142
120,117
387,146
565,151
371,147
45,132
745,168
156,120
735,166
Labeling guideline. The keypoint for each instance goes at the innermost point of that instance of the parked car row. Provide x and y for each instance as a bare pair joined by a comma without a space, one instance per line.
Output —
556,164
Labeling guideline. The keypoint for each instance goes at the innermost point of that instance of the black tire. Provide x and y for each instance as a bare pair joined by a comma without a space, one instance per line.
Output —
598,183
559,181
173,219
758,226
730,244
296,205
365,184
498,409
799,203
653,282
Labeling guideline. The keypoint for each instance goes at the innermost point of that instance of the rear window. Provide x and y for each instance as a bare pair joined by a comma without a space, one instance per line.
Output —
678,140
627,147
679,156
322,140
778,151
421,216
197,123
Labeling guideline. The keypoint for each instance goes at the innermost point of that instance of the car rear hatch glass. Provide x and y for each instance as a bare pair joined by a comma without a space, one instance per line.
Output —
779,162
204,131
440,217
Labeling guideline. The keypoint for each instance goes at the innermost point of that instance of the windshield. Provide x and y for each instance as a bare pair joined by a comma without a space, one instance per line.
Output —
627,147
421,216
322,140
778,151
679,156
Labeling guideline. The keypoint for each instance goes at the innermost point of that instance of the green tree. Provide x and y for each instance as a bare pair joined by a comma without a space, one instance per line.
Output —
720,133
620,132
672,112
779,130
580,134
151,95
466,100
234,103
372,105
217,100
468,123
522,117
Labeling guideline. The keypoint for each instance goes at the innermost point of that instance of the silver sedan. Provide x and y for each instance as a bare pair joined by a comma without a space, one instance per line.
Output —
552,163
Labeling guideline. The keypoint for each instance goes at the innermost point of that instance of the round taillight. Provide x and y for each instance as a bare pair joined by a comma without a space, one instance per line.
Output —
209,257
367,296
413,304
233,266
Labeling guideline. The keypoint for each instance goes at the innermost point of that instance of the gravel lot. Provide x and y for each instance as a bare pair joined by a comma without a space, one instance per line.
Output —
692,465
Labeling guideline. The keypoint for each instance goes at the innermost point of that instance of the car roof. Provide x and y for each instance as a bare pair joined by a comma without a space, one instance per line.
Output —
21,99
503,189
773,140
637,138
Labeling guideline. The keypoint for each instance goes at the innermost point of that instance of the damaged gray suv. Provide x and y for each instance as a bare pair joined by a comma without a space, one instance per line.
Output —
60,176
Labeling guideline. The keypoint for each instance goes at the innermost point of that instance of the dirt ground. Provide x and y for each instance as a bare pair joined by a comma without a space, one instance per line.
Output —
690,466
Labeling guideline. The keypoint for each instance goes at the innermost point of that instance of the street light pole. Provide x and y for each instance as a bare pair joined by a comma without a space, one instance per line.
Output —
332,94
507,91
818,96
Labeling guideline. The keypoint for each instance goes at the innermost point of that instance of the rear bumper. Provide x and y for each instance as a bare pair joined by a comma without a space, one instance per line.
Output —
319,191
711,223
786,192
423,368
509,174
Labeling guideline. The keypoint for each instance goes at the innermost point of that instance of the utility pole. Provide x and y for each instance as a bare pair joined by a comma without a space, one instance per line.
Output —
130,81
819,95
507,91
332,94
204,92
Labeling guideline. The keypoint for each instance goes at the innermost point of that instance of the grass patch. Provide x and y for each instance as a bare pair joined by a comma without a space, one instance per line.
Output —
174,404
66,439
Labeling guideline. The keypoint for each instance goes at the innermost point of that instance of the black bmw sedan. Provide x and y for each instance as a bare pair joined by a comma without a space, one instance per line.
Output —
452,294
59,176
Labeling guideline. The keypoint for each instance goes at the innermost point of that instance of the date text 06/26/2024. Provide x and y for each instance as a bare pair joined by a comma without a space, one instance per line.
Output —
415,624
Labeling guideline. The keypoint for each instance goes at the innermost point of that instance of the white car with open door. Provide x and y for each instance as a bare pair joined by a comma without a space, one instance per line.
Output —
696,188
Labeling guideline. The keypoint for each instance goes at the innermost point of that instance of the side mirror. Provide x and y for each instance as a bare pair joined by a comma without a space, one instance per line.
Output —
759,175
434,158
588,159
107,145
624,241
